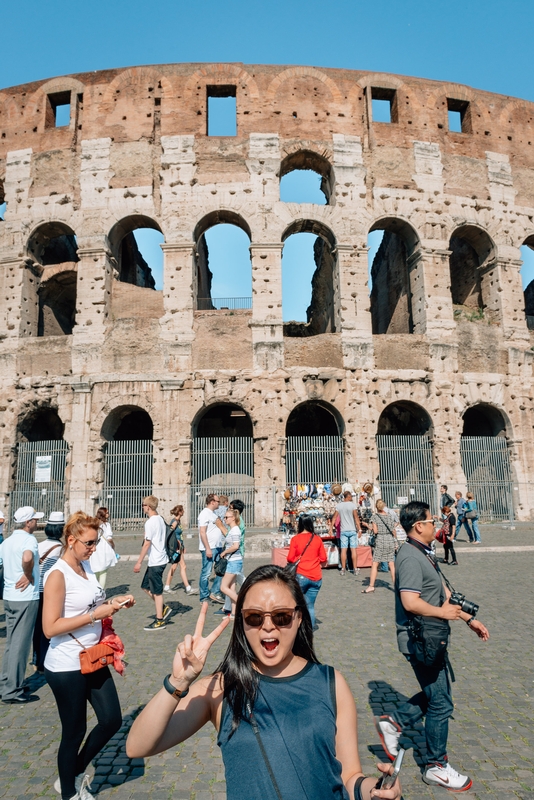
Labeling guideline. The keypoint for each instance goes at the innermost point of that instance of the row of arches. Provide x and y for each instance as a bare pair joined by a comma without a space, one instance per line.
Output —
310,295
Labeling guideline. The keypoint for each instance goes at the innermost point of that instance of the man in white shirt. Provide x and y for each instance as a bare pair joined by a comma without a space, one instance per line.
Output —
154,545
211,533
19,555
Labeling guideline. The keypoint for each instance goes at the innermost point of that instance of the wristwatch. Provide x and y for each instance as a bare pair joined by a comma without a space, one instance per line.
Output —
469,621
176,693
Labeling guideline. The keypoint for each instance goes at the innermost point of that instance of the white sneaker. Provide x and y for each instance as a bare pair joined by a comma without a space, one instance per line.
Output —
446,776
168,590
190,590
80,781
389,732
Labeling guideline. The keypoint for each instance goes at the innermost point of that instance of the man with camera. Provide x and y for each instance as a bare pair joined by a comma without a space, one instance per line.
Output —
424,607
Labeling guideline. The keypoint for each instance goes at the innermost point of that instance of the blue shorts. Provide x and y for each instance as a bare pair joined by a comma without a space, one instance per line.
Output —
349,539
234,567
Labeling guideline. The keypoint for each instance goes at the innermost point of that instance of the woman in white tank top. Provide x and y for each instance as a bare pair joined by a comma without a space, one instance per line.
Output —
75,603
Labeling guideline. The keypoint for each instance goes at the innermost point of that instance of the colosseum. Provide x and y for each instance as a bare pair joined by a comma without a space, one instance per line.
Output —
414,372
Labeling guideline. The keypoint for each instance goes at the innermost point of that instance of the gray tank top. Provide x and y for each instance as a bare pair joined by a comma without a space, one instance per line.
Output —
296,717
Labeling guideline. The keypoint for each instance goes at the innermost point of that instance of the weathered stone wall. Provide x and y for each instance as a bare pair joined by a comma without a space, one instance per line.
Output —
136,152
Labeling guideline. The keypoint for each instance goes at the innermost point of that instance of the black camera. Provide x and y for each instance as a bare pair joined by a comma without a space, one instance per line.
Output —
458,599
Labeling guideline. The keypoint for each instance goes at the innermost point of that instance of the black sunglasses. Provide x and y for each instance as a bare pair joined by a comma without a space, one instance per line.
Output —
282,617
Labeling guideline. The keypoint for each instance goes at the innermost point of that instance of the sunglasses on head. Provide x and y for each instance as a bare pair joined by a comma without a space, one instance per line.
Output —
282,617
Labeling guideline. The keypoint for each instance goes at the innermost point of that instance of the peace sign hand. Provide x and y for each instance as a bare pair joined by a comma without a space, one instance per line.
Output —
191,654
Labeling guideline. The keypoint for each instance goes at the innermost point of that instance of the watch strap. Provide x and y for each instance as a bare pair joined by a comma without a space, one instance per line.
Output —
176,693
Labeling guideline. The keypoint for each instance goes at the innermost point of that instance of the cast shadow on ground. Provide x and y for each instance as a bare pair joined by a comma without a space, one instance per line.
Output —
112,765
383,699
380,583
35,682
123,588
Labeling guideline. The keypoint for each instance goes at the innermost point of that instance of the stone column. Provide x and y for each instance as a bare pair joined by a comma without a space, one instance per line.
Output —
267,320
93,305
19,302
430,286
82,469
502,295
355,323
178,302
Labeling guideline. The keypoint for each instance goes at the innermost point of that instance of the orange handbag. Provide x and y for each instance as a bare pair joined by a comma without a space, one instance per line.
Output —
95,657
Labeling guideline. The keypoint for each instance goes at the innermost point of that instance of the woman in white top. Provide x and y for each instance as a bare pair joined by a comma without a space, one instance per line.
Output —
75,603
233,555
104,556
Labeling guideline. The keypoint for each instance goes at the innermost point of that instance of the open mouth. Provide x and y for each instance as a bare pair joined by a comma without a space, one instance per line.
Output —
270,644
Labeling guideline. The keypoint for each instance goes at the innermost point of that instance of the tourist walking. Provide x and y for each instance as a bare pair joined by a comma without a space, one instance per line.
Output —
232,554
420,596
383,526
211,534
350,529
226,610
449,525
471,509
74,606
49,552
104,556
154,545
444,497
19,555
274,689
307,550
460,519
176,516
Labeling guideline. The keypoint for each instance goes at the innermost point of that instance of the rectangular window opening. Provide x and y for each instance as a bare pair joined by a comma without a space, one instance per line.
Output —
58,110
222,111
384,105
459,112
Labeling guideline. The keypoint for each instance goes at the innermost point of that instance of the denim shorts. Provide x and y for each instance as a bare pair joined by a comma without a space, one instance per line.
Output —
349,539
234,567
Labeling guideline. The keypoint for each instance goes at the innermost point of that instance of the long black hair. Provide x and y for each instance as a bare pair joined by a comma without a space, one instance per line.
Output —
305,524
237,667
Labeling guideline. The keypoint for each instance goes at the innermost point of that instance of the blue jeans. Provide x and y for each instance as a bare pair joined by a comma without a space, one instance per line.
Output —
310,589
462,521
476,530
434,703
205,572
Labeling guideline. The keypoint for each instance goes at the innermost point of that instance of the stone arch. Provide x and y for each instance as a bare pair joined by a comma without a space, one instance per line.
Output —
314,444
131,267
485,419
322,315
391,291
64,89
42,423
214,464
310,160
222,419
472,256
223,74
303,72
52,243
127,423
140,78
57,301
404,418
205,298
315,418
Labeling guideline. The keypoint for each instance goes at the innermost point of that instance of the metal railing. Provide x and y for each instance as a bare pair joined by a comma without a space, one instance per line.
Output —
223,459
315,459
406,470
223,303
127,479
40,476
486,465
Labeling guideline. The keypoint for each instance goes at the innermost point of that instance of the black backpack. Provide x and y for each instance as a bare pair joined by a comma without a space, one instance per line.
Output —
173,545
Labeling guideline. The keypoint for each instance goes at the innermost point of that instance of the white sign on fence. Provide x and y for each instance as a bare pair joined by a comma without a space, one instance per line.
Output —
402,501
43,469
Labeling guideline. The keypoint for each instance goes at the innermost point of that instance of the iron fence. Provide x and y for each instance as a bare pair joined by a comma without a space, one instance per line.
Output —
315,459
127,479
486,465
223,303
40,476
222,459
406,471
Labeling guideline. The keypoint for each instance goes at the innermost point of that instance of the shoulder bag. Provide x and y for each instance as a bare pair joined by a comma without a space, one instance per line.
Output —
94,658
54,546
292,567
219,566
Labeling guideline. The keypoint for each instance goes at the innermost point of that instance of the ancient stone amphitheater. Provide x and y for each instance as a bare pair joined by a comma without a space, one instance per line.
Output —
111,388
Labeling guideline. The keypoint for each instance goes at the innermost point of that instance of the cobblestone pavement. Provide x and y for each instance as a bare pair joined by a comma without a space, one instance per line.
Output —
490,736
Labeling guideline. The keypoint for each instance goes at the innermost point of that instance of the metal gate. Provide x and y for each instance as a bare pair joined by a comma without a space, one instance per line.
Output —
127,479
223,465
486,465
315,459
40,476
406,470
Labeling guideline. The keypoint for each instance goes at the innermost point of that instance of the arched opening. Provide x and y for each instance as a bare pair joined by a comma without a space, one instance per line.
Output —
135,244
53,248
404,445
310,288
472,253
223,265
527,277
39,477
315,450
306,177
389,278
222,454
128,463
486,461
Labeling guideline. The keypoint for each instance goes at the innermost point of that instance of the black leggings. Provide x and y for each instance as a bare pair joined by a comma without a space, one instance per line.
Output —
72,691
449,548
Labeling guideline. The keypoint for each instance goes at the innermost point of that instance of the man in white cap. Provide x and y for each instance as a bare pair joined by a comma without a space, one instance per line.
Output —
19,554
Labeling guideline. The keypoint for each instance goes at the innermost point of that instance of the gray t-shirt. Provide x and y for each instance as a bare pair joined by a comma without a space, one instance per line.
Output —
414,572
346,516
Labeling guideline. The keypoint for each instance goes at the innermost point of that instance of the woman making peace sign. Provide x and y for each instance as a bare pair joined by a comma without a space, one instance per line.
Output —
289,719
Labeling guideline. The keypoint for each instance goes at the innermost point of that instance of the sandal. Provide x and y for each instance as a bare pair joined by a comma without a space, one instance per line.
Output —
368,590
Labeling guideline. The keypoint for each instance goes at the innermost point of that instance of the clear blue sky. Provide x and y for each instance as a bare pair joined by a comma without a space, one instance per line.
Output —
485,44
